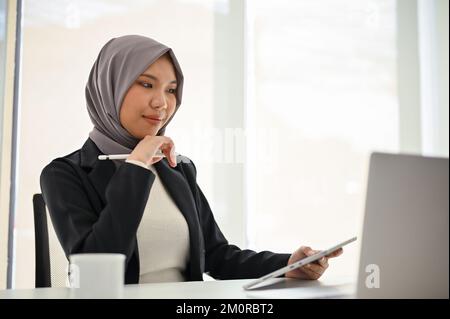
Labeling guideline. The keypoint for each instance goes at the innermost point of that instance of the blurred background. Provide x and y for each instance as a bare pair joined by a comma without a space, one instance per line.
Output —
283,103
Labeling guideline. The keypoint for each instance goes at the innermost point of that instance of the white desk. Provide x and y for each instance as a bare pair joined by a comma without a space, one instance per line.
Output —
224,289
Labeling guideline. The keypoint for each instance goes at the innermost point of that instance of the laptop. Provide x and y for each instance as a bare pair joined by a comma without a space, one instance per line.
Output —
405,239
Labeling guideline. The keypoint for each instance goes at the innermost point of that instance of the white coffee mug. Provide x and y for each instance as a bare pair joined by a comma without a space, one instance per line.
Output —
97,275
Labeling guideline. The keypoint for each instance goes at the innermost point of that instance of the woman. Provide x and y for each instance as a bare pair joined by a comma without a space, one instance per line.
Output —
147,207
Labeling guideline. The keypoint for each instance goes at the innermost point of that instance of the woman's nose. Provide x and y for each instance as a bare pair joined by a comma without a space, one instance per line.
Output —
158,101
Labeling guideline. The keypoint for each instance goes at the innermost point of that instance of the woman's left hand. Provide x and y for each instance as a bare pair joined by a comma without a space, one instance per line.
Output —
311,271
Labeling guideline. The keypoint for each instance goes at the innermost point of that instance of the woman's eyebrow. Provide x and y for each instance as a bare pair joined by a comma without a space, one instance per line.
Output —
155,78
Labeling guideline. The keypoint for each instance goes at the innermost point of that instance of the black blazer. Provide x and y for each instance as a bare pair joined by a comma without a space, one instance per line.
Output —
96,208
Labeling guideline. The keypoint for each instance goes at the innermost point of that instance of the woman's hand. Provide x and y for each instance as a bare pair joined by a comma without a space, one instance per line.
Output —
145,151
311,271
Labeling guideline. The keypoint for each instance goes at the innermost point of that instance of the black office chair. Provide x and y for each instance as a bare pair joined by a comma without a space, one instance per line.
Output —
42,256
51,262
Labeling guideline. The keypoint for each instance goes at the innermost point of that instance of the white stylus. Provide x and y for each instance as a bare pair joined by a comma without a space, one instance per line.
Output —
124,156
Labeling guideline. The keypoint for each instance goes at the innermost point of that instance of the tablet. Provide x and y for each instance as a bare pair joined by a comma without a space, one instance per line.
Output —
297,264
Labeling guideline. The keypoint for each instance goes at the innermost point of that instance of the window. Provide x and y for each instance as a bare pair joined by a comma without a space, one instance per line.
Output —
322,80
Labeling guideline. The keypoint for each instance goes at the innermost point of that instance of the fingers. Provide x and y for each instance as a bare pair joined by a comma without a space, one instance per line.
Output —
169,152
316,269
312,271
146,150
336,253
309,252
168,149
323,262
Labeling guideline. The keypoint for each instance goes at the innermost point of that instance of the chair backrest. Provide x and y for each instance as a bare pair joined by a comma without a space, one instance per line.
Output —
42,258
51,262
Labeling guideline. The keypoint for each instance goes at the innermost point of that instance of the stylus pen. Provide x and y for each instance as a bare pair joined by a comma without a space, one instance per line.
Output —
124,156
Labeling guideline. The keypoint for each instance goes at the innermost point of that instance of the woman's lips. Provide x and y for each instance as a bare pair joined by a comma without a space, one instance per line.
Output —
152,120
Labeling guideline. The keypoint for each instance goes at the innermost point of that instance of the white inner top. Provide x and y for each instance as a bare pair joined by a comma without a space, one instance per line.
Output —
162,236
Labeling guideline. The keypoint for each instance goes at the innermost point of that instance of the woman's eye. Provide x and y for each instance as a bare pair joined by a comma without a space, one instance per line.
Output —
149,86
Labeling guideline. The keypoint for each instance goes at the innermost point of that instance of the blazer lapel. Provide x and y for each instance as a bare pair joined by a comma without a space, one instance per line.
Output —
99,172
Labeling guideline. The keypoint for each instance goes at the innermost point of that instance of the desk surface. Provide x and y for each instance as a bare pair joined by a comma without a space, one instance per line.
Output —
220,289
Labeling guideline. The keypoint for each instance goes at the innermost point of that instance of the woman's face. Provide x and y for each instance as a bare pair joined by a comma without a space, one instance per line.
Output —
151,100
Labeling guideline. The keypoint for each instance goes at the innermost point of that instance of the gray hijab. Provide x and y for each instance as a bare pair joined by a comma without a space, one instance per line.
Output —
118,65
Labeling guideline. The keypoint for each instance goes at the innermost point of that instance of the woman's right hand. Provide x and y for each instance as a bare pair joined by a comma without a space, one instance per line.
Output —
145,151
